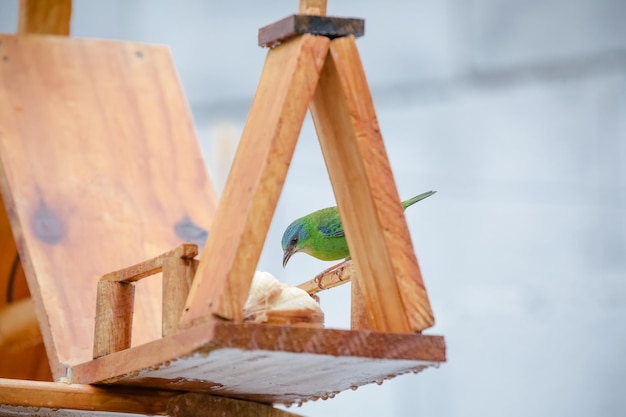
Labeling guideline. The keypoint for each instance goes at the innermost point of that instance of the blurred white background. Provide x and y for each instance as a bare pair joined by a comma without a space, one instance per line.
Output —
515,112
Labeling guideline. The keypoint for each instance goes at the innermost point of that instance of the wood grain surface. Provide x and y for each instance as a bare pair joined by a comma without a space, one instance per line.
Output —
101,169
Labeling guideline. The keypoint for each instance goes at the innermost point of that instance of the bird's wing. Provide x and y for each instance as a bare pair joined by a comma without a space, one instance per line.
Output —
331,226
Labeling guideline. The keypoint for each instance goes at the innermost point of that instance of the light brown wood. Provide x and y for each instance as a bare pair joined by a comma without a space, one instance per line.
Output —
114,317
100,169
22,354
332,277
359,316
380,245
45,17
256,178
116,291
236,360
312,7
60,399
178,274
152,266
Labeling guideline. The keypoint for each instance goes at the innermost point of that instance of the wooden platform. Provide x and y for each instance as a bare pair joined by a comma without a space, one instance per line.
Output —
265,363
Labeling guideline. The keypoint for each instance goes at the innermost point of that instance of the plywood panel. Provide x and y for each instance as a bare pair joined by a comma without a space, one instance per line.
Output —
101,169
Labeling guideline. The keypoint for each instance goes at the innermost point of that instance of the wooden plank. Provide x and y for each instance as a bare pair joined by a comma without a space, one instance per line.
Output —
295,25
46,17
332,277
390,282
100,169
178,274
114,317
235,360
60,399
256,178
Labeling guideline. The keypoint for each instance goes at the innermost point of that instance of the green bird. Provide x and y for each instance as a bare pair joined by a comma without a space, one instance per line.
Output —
321,235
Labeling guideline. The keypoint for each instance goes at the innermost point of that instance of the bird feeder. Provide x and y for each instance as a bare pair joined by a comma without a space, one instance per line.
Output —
109,204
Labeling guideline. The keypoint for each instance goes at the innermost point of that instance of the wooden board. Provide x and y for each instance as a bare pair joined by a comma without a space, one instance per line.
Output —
390,284
101,169
256,179
294,25
27,398
265,363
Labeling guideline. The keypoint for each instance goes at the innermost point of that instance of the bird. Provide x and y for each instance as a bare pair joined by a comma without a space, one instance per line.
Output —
321,235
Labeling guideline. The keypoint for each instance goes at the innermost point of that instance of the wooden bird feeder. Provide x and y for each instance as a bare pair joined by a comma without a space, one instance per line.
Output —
109,203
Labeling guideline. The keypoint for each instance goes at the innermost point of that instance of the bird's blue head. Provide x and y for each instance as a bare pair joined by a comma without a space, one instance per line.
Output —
293,239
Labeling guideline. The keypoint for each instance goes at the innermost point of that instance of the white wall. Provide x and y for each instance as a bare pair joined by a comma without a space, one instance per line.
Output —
515,111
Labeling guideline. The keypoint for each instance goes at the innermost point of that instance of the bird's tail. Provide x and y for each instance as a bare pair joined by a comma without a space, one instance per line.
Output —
417,198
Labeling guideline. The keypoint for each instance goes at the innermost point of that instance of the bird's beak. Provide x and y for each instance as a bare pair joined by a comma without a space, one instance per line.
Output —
288,253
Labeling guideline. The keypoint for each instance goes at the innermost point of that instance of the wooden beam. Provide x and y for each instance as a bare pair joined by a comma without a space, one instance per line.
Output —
66,399
292,26
234,360
45,17
388,275
238,233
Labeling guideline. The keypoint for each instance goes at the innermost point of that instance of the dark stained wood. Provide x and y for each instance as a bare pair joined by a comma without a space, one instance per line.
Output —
100,169
294,25
235,360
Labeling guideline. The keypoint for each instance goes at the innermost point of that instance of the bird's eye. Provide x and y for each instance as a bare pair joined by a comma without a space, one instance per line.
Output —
294,240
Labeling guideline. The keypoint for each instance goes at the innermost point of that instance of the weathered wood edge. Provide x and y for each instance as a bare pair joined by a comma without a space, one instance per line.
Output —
252,336
24,397
294,25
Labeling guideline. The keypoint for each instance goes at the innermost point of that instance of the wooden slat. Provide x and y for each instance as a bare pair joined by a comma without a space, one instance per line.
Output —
100,169
45,17
292,26
256,178
12,279
114,317
178,274
60,399
236,360
151,266
380,245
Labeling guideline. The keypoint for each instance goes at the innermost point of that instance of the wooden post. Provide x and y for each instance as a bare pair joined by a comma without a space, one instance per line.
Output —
387,273
114,317
249,200
312,7
45,17
178,273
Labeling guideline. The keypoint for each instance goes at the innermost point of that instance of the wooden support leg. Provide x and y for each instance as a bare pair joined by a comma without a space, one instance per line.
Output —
50,17
114,317
388,275
243,217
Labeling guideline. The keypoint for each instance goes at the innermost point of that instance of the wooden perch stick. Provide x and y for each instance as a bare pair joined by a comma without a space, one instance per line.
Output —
332,277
